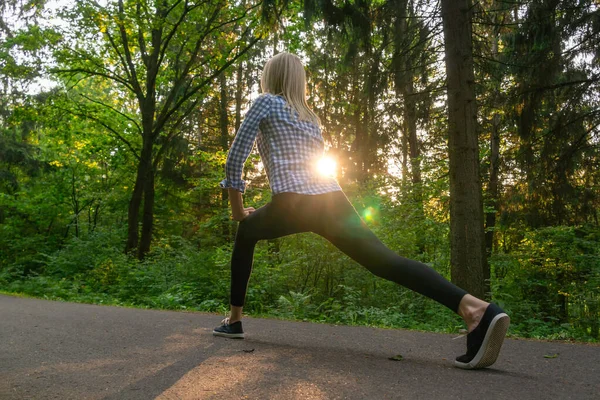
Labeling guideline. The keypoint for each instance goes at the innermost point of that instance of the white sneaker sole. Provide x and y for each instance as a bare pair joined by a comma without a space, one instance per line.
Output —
229,335
490,348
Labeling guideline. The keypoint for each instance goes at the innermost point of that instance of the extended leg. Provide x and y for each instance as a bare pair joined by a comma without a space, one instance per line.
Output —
487,323
347,232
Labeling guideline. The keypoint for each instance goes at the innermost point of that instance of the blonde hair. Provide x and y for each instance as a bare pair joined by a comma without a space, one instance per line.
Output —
284,75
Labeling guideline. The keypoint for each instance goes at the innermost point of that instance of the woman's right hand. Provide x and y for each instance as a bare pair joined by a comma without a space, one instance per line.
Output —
242,214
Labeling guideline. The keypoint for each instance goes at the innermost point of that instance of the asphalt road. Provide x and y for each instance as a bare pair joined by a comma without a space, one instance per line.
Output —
58,350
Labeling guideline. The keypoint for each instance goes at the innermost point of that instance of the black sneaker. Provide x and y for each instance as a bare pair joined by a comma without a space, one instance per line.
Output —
485,341
228,330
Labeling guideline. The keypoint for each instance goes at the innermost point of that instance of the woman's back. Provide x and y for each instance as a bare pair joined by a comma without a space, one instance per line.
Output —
291,149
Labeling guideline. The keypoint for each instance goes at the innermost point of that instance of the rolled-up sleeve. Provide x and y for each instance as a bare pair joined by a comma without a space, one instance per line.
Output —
243,143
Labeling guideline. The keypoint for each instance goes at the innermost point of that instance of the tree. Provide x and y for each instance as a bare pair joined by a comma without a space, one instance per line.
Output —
466,208
162,55
360,31
553,61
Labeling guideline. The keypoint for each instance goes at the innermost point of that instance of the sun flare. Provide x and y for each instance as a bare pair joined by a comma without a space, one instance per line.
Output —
327,166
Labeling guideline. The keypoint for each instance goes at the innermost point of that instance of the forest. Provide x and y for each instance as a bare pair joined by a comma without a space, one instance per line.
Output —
465,133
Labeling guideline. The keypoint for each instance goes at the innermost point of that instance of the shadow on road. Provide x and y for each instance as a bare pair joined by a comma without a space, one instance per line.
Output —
79,351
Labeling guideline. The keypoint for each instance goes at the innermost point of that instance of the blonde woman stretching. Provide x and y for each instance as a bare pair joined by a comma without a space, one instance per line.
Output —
290,145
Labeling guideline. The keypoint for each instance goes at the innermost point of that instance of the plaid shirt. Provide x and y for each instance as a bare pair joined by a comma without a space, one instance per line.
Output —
289,148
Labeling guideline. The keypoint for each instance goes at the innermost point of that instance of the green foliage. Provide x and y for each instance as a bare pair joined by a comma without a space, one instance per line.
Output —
551,283
177,275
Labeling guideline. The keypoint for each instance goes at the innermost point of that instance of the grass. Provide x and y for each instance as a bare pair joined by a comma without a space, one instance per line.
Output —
416,326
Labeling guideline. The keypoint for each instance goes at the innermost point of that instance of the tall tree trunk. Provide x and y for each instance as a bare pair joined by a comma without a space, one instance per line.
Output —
466,207
370,143
134,210
410,130
146,174
148,212
540,24
239,90
405,83
144,187
405,171
492,193
327,106
224,139
75,202
404,62
95,220
200,119
410,123
358,144
404,74
150,133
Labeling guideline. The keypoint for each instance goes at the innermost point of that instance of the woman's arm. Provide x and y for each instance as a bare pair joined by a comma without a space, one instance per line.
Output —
243,143
237,205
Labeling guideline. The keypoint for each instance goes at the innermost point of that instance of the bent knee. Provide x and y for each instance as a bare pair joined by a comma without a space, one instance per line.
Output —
246,230
243,229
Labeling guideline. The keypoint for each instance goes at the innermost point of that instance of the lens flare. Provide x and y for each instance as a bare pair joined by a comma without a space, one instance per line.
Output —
368,214
371,215
327,166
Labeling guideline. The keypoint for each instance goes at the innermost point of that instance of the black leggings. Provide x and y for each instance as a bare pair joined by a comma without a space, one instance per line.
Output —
332,216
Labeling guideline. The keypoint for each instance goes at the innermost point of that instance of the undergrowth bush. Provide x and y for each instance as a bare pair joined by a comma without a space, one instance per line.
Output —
549,285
